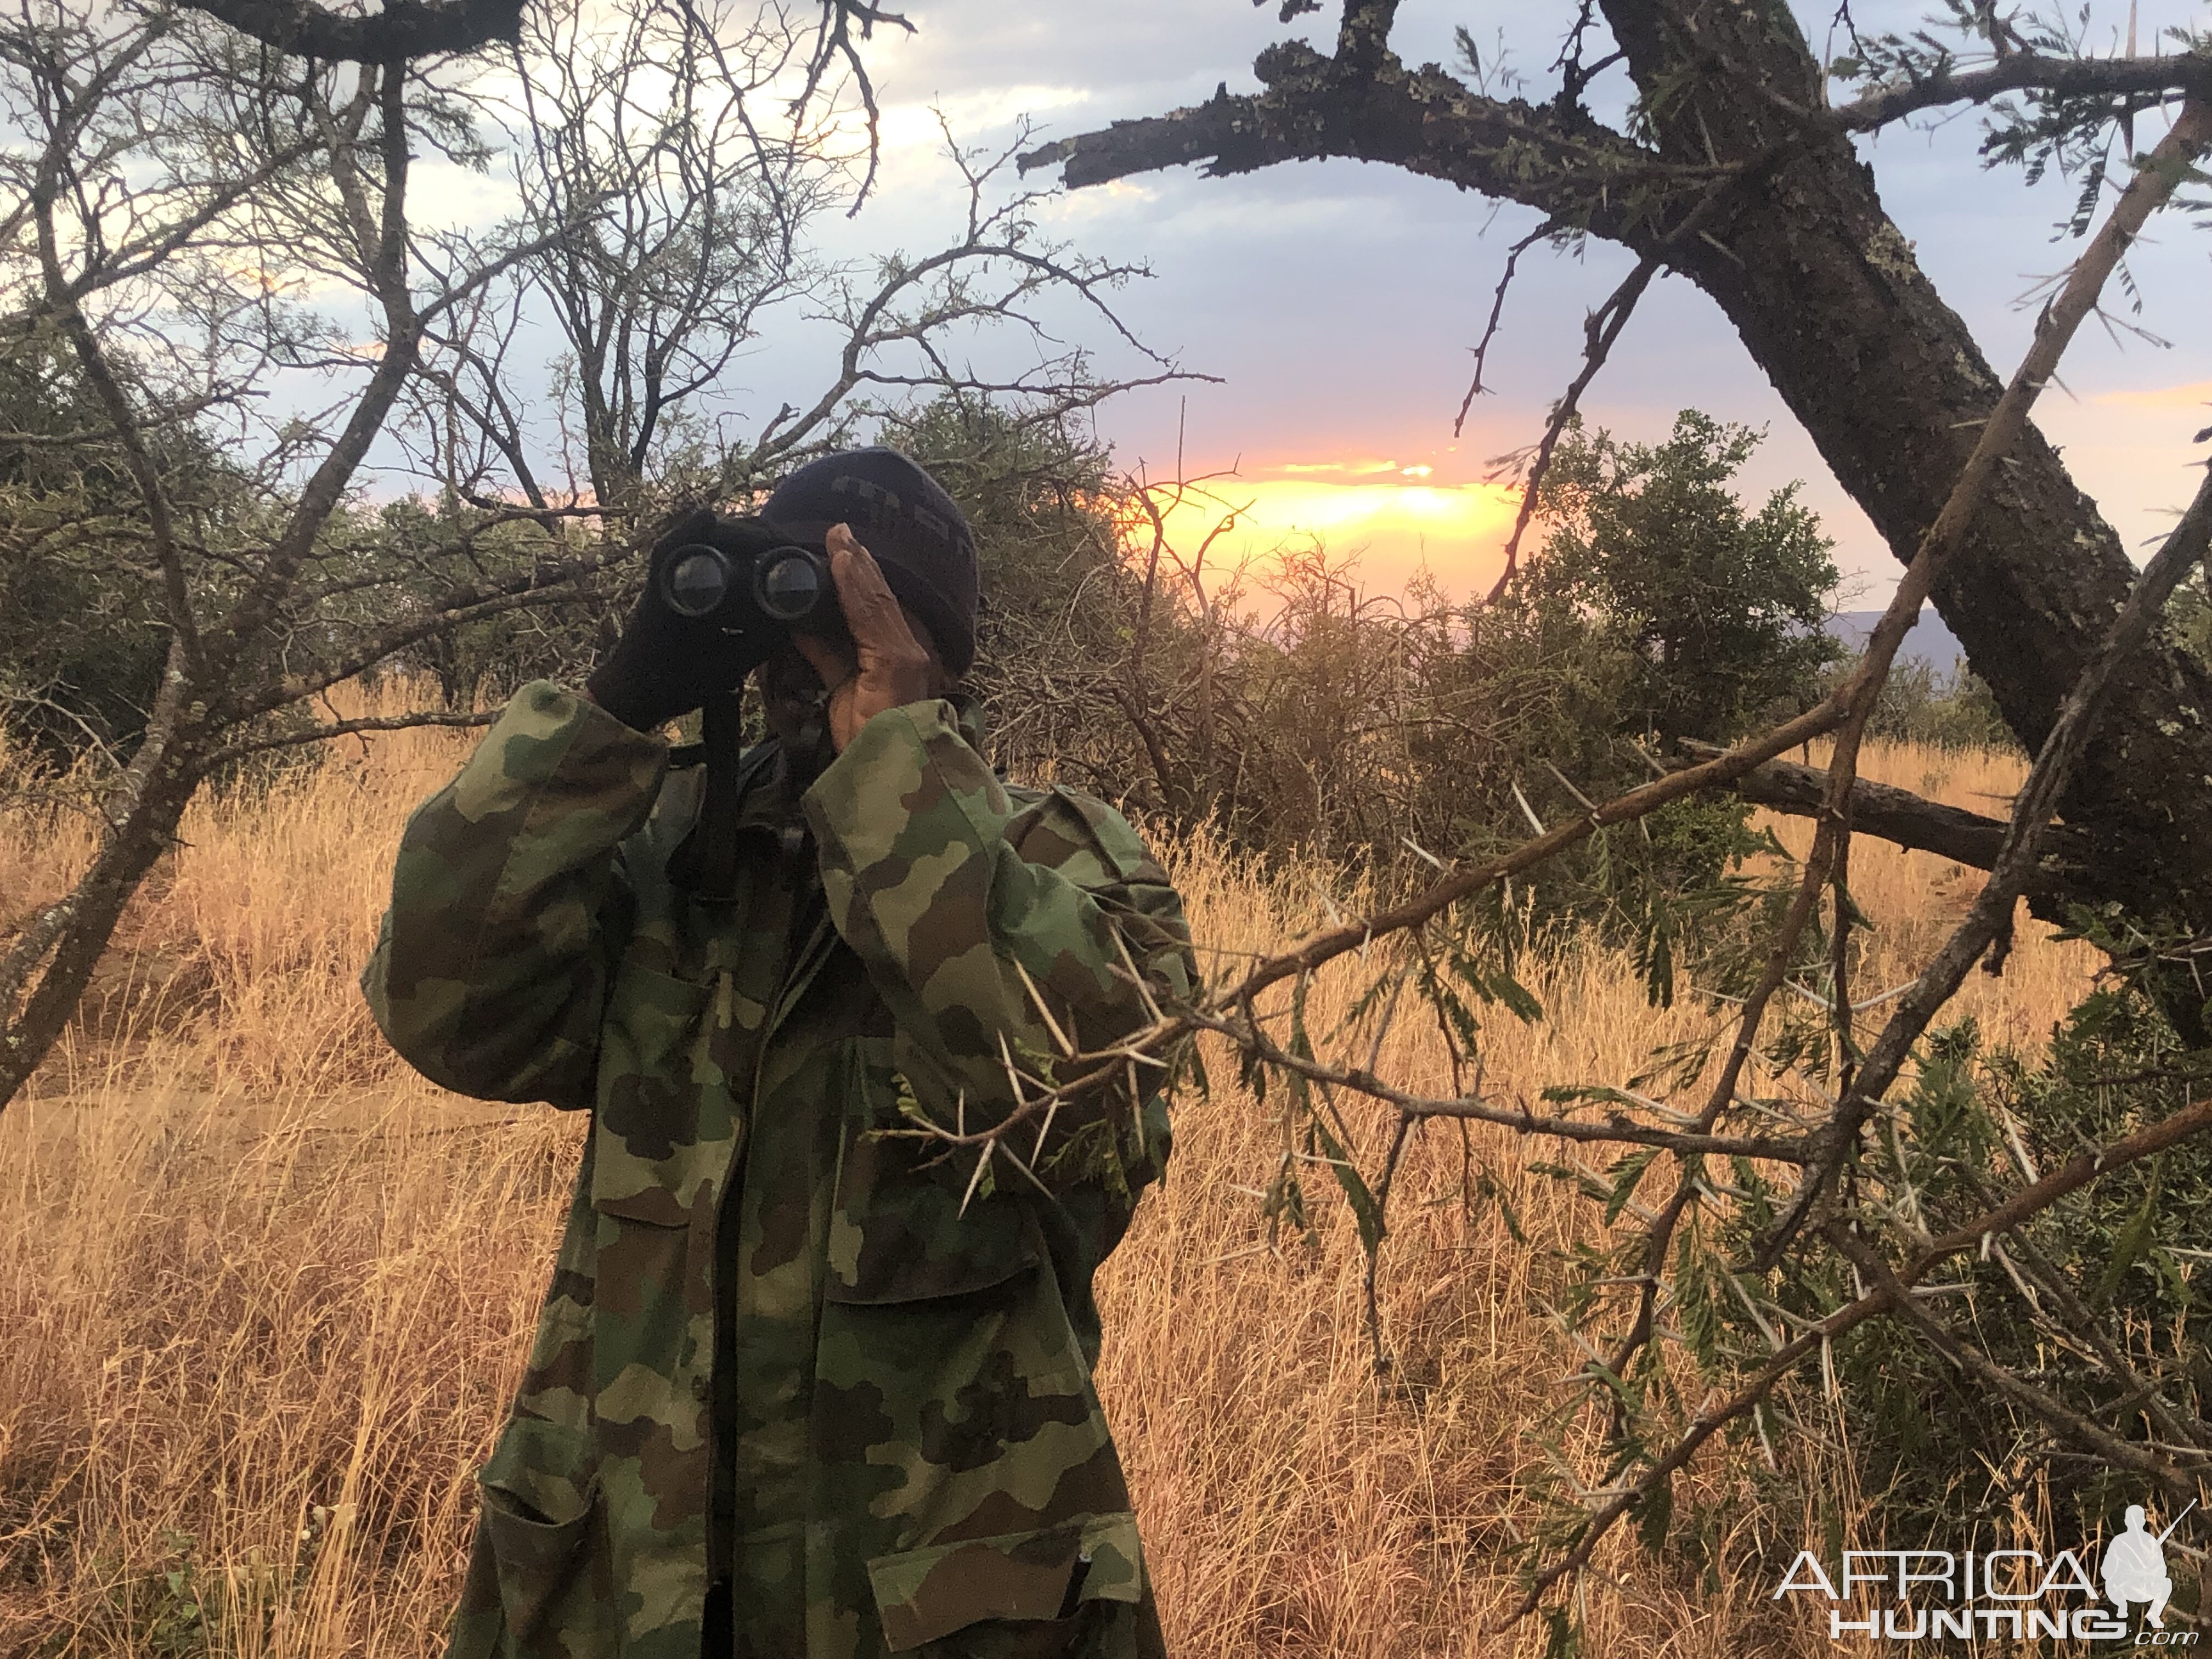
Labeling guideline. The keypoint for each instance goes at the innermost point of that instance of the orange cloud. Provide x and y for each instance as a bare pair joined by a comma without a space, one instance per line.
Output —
2196,392
1342,468
1457,533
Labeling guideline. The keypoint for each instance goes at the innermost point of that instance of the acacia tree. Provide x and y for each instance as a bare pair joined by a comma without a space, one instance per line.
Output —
220,237
1739,172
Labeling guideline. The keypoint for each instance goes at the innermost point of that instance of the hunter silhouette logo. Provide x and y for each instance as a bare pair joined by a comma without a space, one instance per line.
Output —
1924,1595
2135,1567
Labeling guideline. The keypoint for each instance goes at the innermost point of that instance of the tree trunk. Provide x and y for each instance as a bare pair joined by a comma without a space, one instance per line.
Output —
1826,295
49,966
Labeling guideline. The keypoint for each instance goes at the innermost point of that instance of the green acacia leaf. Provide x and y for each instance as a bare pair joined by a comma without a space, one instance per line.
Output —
2133,1243
1517,997
1653,1514
1626,1174
1365,1209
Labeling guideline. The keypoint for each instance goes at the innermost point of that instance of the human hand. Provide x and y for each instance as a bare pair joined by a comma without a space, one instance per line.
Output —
884,665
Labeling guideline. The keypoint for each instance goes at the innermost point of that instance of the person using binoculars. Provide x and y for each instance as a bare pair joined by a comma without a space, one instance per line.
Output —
807,1384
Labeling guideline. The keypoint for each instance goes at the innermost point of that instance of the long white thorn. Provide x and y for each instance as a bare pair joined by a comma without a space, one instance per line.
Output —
1140,1057
1013,1076
1044,1014
1144,991
1526,810
976,1180
1014,1158
1051,1111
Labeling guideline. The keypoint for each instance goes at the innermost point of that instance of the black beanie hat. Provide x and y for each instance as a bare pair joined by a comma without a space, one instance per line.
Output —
902,516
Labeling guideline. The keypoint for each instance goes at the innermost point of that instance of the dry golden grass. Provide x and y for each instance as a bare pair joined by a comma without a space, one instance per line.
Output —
265,1292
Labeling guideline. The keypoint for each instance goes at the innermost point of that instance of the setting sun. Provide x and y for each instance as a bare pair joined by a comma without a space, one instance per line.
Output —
1390,517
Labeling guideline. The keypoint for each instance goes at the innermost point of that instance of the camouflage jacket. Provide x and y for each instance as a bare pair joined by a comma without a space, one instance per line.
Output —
775,1351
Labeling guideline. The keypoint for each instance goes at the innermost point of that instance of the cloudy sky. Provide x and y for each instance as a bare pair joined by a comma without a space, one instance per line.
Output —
1337,302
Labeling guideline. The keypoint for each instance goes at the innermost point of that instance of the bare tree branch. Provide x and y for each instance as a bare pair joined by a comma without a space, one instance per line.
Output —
1475,387
214,759
1423,120
1894,815
1599,330
2027,71
404,29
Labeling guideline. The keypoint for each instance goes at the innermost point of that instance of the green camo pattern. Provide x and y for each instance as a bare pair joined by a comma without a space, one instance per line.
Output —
915,1460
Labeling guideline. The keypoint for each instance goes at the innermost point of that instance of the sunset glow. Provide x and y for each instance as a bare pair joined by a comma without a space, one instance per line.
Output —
2195,394
1388,515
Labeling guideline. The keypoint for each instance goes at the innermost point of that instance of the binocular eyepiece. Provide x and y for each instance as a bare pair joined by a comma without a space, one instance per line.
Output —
750,578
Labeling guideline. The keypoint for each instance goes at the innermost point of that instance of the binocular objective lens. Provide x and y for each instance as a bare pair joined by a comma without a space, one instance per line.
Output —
696,582
790,585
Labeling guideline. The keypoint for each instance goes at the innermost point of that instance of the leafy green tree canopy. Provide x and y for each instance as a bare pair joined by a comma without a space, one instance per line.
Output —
1722,608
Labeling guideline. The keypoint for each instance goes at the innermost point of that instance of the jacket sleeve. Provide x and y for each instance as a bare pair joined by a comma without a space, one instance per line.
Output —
951,891
510,905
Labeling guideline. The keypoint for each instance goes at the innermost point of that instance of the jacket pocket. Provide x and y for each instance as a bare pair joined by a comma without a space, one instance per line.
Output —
1036,1593
541,1505
906,1226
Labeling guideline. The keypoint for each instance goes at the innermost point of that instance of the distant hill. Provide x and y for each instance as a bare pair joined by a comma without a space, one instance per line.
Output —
1929,641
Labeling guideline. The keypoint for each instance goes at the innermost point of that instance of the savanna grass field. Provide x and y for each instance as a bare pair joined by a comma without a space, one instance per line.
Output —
265,1292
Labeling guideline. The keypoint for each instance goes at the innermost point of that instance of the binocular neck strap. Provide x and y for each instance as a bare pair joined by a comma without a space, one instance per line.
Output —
707,862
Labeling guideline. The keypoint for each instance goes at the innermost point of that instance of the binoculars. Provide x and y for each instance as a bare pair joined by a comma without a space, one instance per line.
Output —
750,578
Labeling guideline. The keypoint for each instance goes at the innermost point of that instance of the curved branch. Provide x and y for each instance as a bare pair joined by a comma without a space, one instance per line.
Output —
551,584
1616,1130
217,758
1897,816
1423,120
1475,388
833,42
403,29
2027,71
1599,330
